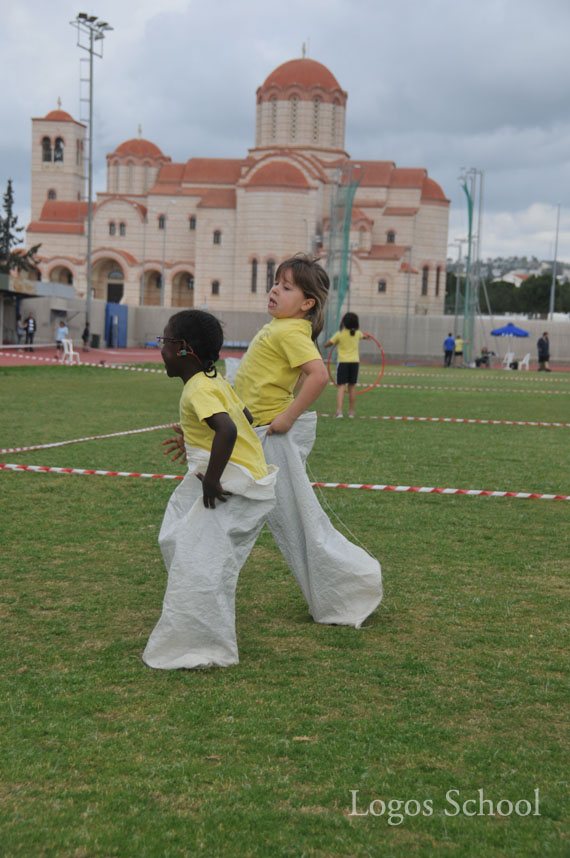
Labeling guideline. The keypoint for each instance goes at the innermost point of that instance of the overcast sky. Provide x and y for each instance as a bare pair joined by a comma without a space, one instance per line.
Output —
441,84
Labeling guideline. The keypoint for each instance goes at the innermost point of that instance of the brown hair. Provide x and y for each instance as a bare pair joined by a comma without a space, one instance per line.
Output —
313,281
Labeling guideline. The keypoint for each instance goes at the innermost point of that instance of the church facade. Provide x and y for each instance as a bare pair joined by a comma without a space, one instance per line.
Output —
210,232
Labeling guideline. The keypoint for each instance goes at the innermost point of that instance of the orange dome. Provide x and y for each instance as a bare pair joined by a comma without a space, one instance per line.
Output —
278,174
59,116
139,148
304,73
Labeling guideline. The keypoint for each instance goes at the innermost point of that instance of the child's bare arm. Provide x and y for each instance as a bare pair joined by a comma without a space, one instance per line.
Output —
315,381
222,447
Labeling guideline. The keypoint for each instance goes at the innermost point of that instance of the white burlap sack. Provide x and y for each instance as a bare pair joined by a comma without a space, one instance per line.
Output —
341,582
204,550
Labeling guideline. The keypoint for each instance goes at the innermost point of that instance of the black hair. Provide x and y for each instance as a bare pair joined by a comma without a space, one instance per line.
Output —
313,281
203,333
350,321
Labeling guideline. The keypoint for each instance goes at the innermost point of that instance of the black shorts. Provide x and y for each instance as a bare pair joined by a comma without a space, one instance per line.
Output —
347,373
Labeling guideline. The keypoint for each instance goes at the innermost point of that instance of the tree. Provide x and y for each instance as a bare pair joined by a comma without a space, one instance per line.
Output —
11,257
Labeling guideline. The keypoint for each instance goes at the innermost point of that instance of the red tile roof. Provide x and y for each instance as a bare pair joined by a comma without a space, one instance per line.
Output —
432,191
278,174
386,252
59,116
373,174
407,177
212,171
304,72
59,216
218,198
139,148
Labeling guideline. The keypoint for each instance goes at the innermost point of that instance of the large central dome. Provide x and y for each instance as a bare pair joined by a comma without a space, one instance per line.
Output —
304,73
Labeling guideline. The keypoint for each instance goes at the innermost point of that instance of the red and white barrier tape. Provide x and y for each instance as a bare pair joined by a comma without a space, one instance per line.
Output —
370,487
90,438
469,389
455,420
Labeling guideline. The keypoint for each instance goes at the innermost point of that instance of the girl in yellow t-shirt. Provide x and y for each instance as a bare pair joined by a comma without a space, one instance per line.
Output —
204,543
346,339
341,582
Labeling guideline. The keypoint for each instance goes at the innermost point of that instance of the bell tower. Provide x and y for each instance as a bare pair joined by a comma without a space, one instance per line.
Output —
58,143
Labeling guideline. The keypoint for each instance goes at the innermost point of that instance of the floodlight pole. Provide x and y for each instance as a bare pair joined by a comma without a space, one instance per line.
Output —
88,25
553,286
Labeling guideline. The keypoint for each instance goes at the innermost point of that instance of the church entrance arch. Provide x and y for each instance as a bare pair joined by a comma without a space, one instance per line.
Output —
183,289
108,281
61,274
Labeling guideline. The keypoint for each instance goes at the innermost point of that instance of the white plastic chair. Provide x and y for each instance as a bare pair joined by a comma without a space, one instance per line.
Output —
232,366
524,363
69,355
508,359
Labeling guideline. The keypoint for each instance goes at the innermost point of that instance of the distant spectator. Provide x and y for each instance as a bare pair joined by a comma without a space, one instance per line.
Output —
448,349
85,336
20,329
61,334
543,346
30,329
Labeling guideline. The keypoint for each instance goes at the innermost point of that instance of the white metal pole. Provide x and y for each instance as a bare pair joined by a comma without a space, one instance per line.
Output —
553,286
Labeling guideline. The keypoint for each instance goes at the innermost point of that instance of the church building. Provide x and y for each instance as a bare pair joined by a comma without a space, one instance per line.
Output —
210,232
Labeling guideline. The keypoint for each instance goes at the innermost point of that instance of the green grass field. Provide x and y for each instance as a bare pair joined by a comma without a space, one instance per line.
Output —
325,742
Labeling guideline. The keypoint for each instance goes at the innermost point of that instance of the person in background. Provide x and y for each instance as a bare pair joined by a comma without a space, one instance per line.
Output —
347,339
30,329
61,334
543,346
448,349
85,337
458,350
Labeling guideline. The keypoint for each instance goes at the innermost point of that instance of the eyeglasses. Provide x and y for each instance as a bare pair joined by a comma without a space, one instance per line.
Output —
188,349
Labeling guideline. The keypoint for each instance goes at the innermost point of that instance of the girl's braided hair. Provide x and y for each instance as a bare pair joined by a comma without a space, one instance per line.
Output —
203,333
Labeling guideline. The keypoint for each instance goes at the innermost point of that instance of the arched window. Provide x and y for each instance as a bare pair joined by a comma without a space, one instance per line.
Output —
381,285
316,111
46,149
190,281
58,150
122,229
112,228
437,280
215,287
274,117
391,237
270,274
217,236
145,178
51,194
425,275
361,237
254,275
131,175
78,152
192,222
294,105
161,221
334,121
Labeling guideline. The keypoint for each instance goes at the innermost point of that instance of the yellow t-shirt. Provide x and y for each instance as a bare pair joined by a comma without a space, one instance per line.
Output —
347,345
270,368
459,345
201,398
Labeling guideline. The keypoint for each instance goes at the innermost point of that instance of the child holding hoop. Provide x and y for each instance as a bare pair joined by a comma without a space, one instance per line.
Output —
347,339
204,543
341,582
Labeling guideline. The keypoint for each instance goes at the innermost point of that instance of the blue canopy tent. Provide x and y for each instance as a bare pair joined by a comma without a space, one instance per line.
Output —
510,330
